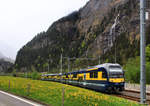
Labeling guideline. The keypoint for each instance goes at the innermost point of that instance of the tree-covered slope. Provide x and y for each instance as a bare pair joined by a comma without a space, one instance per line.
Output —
5,65
87,33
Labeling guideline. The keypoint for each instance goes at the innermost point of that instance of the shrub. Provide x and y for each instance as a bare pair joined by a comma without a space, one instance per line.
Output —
35,75
132,70
14,73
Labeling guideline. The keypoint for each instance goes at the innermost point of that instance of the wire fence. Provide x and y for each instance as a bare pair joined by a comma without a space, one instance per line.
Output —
136,87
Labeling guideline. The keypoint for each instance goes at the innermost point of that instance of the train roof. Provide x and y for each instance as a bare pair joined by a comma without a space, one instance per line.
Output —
51,74
105,65
77,71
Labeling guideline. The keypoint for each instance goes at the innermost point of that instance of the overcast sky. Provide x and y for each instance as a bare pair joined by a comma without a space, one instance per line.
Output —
21,20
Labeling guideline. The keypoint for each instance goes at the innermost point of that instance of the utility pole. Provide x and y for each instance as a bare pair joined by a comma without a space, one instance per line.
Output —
115,45
48,64
115,49
61,66
99,59
61,63
68,64
142,53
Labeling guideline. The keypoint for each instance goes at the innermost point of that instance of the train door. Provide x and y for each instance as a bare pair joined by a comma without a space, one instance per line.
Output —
84,79
104,75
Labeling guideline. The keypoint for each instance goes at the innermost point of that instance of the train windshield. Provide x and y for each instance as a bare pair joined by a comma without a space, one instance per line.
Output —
115,72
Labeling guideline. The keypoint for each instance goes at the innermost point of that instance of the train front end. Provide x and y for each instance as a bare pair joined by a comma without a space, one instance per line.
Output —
116,80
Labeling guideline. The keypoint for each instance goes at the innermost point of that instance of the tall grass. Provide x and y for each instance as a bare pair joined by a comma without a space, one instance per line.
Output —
51,93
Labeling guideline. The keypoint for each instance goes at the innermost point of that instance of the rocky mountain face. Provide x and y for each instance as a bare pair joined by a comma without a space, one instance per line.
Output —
100,28
3,57
7,50
5,63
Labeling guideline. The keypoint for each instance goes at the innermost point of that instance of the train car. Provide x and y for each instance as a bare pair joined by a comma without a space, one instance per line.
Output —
106,77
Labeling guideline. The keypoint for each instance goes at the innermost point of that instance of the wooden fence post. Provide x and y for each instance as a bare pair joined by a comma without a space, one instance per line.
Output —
28,89
63,94
9,85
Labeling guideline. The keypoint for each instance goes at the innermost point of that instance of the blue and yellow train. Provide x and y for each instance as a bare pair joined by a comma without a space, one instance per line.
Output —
106,77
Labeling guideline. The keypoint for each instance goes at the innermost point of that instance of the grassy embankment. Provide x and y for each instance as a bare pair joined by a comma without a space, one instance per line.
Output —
51,93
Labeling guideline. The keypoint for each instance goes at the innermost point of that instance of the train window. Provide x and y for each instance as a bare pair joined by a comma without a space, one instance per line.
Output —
96,74
74,75
66,76
116,75
103,74
91,75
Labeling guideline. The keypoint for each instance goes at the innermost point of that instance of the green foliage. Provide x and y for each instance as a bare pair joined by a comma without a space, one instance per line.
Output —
14,73
64,36
107,60
51,93
71,17
124,50
62,50
45,65
35,75
148,52
83,44
77,61
147,34
33,69
94,36
132,70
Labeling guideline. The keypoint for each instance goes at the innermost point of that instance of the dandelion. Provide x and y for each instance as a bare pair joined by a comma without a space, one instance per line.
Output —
50,93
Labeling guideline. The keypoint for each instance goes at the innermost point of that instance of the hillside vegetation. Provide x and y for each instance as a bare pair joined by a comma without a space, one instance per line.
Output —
86,33
132,68
5,66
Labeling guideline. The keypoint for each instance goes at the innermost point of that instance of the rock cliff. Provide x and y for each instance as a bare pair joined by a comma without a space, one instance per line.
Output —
100,28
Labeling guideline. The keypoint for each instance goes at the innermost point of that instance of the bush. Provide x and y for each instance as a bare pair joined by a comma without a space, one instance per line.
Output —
35,75
132,70
14,73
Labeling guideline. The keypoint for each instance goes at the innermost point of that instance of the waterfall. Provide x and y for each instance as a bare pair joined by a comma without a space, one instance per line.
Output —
112,29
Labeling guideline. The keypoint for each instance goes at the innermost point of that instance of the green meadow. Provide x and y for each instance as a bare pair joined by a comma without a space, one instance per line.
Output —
50,93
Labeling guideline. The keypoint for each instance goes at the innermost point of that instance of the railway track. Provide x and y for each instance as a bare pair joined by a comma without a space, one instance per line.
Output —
133,95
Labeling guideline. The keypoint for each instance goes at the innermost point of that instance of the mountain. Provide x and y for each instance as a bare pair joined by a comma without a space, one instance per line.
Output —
7,50
100,28
5,63
2,57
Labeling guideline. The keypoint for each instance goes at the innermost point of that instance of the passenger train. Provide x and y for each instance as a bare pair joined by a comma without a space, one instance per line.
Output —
106,77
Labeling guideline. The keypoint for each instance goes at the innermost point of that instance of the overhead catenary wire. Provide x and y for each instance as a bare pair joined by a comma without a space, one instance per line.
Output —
74,66
73,58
